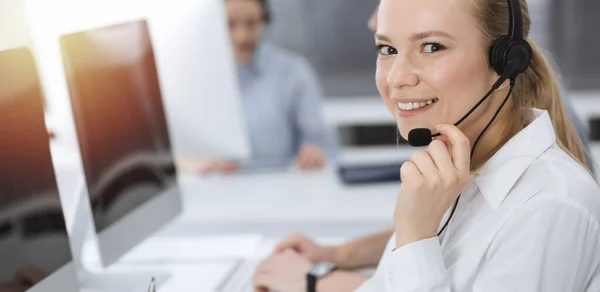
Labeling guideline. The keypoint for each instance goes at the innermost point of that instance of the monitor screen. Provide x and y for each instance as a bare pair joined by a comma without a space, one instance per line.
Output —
33,235
119,117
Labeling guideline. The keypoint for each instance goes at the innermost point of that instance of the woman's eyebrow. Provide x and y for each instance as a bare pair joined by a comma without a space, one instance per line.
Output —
416,36
383,38
423,35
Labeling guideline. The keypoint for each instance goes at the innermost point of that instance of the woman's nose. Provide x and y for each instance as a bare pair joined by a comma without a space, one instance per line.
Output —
402,73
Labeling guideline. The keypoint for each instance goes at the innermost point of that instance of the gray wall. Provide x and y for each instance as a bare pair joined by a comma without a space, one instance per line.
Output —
576,41
333,36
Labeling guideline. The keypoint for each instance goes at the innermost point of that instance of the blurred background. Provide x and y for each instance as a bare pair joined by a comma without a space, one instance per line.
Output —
211,109
331,33
333,36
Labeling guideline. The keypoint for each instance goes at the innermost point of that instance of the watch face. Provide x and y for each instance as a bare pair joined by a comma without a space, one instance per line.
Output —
321,269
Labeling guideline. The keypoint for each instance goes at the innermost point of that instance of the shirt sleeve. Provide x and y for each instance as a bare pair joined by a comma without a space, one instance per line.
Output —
307,96
418,266
547,245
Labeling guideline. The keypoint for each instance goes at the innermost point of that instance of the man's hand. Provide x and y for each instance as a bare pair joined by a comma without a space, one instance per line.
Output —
24,279
282,272
29,276
307,248
310,157
207,165
11,288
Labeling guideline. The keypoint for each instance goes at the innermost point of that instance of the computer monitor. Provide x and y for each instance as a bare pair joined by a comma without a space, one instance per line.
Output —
195,64
123,134
34,245
197,71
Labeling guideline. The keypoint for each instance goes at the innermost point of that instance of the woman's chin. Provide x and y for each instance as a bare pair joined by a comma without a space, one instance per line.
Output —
403,131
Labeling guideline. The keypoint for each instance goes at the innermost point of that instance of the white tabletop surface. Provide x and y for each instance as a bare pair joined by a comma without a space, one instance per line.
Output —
293,195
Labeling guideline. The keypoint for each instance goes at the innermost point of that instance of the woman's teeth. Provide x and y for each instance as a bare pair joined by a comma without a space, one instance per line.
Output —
408,106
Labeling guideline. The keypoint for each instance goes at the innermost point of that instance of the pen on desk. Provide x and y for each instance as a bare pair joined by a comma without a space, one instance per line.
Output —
152,287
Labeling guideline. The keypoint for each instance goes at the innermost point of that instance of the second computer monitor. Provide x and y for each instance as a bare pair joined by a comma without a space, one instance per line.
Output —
123,133
34,247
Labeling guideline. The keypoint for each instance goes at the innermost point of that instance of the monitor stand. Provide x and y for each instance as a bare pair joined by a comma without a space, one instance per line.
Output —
87,260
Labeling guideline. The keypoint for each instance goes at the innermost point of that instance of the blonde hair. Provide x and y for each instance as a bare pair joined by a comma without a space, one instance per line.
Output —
535,88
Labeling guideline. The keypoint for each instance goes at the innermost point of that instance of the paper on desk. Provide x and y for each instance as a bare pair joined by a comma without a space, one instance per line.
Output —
183,277
194,249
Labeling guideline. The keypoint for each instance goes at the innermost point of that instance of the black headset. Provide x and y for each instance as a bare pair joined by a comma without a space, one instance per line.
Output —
511,54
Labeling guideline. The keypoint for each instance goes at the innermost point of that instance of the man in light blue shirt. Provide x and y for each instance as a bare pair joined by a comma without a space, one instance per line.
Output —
281,97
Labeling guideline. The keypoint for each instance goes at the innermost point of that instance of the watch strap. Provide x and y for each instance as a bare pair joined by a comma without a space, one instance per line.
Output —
311,283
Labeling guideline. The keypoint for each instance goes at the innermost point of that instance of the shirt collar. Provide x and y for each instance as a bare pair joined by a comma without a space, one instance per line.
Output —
499,174
256,65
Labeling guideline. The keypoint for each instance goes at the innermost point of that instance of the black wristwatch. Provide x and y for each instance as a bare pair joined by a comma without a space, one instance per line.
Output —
317,271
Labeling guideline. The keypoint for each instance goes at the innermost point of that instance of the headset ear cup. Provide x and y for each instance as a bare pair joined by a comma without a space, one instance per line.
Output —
497,60
520,53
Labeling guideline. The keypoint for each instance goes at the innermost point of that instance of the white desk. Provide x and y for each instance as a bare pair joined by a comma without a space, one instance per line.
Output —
193,277
277,204
221,206
258,201
211,274
254,203
317,196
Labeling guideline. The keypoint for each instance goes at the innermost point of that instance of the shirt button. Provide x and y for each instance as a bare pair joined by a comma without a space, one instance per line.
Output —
390,275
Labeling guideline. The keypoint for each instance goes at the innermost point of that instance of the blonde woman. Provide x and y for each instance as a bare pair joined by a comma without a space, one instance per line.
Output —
501,202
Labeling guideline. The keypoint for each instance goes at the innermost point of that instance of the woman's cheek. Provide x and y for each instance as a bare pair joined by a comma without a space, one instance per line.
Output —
381,75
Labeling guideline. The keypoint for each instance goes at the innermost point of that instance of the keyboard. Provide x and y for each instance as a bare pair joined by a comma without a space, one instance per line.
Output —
370,173
240,279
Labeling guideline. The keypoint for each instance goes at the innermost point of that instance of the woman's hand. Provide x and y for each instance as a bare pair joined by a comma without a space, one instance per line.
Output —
431,182
282,272
307,248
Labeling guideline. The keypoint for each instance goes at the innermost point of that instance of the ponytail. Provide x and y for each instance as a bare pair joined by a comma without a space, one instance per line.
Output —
538,88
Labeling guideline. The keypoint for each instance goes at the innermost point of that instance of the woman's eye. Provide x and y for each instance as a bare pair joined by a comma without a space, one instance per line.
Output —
386,50
432,48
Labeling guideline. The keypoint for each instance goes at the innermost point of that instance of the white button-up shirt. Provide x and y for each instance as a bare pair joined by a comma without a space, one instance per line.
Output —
529,221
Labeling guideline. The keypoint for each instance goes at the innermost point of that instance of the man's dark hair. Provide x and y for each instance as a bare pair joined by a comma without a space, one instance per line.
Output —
266,10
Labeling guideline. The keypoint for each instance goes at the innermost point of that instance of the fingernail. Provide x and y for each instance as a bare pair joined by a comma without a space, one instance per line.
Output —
438,126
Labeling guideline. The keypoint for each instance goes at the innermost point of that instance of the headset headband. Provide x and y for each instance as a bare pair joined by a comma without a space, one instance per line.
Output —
515,24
